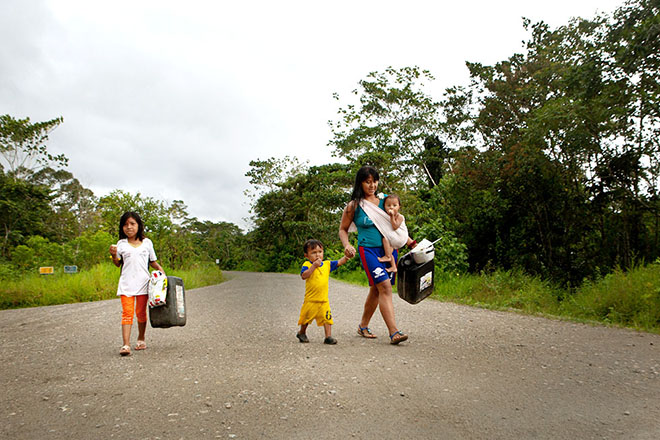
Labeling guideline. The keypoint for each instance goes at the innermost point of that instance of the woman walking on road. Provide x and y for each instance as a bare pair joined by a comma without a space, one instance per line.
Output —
370,247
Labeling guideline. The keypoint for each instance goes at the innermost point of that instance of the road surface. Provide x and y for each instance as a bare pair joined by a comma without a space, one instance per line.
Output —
236,370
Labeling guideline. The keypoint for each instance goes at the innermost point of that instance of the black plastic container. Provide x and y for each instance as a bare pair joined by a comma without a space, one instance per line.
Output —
173,313
414,281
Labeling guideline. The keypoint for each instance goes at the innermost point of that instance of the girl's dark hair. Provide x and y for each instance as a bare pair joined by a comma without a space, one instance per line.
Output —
362,175
393,196
312,244
135,216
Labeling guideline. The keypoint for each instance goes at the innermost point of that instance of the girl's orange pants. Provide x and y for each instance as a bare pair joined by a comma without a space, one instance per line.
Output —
129,308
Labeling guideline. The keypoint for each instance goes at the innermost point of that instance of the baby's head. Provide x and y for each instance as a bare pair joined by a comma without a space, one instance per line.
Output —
313,250
392,201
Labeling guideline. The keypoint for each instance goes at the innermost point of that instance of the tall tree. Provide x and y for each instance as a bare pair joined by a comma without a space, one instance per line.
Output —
389,125
23,149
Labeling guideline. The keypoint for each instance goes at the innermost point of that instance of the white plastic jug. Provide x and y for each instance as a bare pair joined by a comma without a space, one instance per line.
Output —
423,252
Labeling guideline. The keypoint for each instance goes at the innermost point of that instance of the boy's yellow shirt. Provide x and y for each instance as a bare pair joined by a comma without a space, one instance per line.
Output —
316,286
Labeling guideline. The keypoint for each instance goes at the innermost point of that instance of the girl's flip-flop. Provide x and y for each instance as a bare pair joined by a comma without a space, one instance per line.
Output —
365,332
141,345
125,350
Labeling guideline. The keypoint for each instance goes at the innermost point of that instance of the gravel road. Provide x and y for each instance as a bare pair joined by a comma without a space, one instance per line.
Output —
236,370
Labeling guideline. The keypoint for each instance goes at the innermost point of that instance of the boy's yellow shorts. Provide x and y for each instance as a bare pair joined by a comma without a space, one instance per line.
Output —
315,310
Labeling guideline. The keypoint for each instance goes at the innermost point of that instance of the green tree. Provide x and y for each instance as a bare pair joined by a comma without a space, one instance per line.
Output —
266,175
73,205
23,257
553,128
89,249
46,253
220,241
306,205
154,213
23,208
389,126
630,174
23,150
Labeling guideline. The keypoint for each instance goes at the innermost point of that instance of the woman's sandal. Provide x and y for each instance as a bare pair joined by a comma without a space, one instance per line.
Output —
141,345
365,332
125,350
397,337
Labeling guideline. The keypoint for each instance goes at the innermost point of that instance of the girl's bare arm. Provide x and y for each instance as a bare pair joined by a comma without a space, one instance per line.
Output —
156,266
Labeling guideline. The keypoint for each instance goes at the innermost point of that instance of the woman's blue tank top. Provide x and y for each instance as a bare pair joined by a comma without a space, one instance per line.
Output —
368,233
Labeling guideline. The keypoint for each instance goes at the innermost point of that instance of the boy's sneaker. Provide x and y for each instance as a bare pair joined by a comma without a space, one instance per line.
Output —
330,340
302,337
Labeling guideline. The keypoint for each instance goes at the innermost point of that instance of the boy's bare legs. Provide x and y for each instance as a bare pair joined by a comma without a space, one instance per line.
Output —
328,332
301,335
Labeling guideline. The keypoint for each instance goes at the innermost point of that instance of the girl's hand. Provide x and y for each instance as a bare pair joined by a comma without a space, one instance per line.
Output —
113,250
349,251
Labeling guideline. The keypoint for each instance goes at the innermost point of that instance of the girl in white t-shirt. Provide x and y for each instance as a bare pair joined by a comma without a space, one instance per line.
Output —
134,253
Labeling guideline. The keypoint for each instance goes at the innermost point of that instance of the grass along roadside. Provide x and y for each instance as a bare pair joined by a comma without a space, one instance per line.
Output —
628,299
94,284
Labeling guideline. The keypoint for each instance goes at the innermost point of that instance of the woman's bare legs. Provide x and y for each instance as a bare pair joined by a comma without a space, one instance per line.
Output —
380,295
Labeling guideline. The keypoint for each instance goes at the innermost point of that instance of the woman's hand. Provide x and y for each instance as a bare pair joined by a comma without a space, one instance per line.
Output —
346,220
113,250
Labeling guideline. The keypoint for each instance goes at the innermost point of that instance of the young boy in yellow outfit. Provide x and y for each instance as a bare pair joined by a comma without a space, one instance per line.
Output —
316,305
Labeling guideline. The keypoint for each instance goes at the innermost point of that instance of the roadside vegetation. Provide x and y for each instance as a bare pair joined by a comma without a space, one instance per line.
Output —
95,284
622,298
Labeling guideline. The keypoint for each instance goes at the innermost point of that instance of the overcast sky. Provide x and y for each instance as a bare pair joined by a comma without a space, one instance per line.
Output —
173,99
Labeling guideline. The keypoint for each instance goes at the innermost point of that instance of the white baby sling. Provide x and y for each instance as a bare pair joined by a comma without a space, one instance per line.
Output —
397,237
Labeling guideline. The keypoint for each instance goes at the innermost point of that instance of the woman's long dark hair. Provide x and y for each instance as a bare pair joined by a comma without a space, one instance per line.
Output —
362,175
124,218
